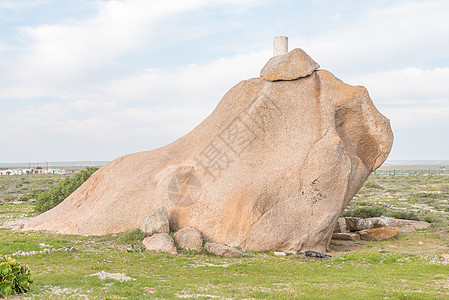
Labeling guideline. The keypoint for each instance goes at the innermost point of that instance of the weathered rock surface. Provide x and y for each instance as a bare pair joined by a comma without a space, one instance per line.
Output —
290,66
272,168
346,236
160,242
156,222
378,234
189,238
407,228
337,228
356,224
418,225
223,250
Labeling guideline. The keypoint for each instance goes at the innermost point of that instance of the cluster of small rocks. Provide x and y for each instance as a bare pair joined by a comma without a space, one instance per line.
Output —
375,229
156,228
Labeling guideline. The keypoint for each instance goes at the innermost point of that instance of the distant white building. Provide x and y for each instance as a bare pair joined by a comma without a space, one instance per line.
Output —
70,171
31,171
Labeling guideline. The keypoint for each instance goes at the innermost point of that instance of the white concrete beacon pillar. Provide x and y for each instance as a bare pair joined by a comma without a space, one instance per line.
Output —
280,45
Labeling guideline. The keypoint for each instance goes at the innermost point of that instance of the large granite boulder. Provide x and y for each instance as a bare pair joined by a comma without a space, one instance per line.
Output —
272,168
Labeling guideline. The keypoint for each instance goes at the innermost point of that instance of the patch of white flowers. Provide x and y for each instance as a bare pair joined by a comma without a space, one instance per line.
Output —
45,250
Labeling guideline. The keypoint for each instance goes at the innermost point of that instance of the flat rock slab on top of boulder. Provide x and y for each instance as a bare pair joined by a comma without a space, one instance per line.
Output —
272,168
156,222
290,66
378,234
189,238
160,242
223,250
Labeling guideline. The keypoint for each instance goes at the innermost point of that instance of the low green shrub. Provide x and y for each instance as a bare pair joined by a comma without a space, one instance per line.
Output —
14,278
49,199
431,217
9,198
366,212
370,184
136,248
130,237
406,215
26,197
426,195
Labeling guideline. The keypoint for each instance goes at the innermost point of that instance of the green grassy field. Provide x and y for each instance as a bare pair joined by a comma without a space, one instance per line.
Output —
408,267
25,187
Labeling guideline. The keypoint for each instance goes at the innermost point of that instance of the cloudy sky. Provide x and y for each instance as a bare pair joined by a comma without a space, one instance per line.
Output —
93,80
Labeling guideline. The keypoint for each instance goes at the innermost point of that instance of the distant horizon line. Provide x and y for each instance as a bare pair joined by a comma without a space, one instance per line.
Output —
103,162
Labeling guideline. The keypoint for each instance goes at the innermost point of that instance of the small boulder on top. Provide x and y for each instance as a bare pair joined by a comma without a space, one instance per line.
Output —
293,65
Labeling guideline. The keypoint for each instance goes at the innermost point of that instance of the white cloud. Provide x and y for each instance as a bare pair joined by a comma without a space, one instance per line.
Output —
163,113
409,84
12,5
8,5
402,33
76,63
411,97
418,116
193,83
60,57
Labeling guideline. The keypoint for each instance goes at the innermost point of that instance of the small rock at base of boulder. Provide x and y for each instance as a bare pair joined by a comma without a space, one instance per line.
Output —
290,66
346,236
378,234
407,228
156,222
357,224
189,238
223,250
160,242
279,253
